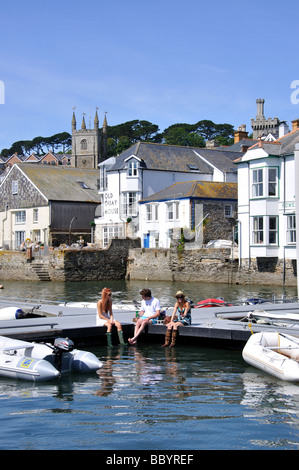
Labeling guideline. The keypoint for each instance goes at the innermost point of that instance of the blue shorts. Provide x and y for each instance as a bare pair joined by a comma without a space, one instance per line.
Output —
153,320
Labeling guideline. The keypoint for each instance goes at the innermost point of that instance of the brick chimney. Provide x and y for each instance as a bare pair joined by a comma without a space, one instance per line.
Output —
295,124
241,133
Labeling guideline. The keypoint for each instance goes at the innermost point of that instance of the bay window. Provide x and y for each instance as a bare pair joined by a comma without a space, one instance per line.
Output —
291,229
258,230
257,183
264,182
265,230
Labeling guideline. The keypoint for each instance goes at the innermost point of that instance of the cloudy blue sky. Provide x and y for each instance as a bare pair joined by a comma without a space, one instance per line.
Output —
165,61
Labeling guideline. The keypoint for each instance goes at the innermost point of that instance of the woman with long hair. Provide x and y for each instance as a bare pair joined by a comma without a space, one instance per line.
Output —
105,316
181,316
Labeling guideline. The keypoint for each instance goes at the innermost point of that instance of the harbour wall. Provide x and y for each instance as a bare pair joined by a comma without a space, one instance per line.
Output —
124,259
208,265
86,264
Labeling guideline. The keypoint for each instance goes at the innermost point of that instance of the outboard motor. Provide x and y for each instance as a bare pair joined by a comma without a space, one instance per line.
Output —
62,345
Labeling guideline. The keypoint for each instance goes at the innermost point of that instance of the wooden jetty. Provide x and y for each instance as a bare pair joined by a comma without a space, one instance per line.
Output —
209,325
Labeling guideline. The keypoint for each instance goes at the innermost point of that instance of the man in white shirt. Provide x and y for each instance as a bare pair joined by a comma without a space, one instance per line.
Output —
150,309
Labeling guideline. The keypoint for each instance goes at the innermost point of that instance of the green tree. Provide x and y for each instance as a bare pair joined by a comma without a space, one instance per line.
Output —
183,134
122,136
197,134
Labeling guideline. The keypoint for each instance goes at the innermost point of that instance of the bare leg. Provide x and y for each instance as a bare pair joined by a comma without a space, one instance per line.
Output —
140,325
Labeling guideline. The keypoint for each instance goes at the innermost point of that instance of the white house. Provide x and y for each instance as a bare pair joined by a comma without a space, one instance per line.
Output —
266,200
194,210
145,169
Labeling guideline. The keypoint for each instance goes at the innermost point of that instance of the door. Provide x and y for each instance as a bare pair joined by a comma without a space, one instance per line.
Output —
146,240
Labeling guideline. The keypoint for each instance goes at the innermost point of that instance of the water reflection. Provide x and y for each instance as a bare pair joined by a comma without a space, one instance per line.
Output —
107,379
172,369
89,291
272,402
143,394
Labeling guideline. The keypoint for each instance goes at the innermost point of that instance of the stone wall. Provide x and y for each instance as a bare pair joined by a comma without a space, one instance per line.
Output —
207,265
87,264
125,259
95,264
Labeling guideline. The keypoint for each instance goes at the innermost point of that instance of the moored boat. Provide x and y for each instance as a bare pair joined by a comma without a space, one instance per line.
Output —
62,357
218,302
26,368
272,316
274,353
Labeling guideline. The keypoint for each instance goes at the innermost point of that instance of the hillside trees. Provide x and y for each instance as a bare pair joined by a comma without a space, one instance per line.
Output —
58,142
122,136
197,134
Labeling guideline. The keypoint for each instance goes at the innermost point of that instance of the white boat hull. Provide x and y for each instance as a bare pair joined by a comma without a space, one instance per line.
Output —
274,353
273,316
27,368
71,361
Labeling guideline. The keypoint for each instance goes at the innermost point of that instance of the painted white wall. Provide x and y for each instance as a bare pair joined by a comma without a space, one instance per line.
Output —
280,206
9,226
161,230
144,184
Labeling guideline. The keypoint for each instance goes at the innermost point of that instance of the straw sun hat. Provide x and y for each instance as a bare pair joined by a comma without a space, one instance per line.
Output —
179,292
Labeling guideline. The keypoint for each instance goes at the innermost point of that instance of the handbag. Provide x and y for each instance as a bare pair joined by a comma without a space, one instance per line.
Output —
167,319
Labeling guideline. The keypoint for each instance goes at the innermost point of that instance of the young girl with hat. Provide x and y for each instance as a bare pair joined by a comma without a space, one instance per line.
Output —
183,309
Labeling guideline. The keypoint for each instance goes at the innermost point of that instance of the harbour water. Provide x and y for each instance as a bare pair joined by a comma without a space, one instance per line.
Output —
147,397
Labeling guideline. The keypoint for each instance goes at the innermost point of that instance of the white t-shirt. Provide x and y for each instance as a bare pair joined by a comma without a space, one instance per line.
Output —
149,307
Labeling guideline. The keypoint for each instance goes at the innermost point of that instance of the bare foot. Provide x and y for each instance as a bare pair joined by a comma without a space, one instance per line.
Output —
131,341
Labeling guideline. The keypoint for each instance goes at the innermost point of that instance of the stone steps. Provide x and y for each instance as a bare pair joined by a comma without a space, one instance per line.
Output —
41,270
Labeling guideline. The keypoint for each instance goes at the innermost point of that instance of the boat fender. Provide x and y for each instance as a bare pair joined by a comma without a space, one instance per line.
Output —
11,313
20,313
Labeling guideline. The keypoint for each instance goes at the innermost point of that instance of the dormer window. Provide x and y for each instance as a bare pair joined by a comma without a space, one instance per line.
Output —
132,168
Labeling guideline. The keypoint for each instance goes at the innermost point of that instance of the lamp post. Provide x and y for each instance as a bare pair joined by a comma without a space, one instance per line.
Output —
70,228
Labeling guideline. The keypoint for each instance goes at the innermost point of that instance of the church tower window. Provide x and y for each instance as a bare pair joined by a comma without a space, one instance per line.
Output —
84,144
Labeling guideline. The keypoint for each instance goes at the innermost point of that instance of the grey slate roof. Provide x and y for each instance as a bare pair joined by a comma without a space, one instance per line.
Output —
176,158
223,160
288,142
195,190
283,146
62,183
237,147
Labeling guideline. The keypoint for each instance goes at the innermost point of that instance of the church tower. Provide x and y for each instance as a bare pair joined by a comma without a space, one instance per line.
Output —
89,146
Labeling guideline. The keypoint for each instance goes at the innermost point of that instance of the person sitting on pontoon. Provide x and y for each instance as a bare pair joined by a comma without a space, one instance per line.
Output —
150,309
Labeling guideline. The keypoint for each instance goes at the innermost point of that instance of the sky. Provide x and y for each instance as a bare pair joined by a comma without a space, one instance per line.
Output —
164,61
